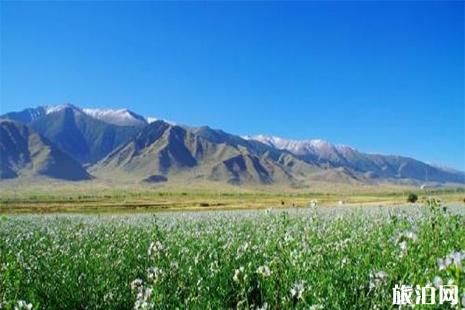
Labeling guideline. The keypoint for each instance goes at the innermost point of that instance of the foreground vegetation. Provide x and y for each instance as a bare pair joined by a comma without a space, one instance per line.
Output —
313,258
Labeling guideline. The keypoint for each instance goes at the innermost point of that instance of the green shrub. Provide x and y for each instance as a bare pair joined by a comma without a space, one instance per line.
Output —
412,197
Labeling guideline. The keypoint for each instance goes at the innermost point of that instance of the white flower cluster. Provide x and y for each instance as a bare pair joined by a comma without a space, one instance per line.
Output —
239,275
143,297
377,278
136,284
23,305
454,259
264,271
263,307
297,290
155,249
154,274
404,239
451,268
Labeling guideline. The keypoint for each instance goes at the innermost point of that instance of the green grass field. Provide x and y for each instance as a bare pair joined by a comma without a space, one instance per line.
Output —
312,258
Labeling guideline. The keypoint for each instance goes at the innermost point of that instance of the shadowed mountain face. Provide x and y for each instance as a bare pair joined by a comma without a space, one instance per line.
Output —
204,153
24,152
81,136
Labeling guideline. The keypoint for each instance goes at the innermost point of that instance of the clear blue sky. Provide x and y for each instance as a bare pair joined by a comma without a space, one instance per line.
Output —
384,77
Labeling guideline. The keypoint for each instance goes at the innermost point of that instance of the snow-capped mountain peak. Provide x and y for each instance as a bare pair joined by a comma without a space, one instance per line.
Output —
57,108
295,146
150,119
122,117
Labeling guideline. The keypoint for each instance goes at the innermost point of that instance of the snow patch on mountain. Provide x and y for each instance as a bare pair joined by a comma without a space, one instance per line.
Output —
57,108
150,119
299,146
122,117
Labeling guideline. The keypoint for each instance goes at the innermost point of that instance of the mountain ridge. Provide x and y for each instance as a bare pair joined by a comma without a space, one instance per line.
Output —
85,138
122,117
393,166
123,142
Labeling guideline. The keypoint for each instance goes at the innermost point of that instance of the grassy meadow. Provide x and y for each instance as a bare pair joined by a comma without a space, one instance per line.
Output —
104,198
315,257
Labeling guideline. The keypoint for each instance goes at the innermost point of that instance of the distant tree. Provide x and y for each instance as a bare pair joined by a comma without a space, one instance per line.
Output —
412,197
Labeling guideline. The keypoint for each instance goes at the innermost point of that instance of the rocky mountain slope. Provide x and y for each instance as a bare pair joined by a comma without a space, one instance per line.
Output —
23,152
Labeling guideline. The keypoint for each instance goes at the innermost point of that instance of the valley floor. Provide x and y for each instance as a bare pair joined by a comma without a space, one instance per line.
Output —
96,198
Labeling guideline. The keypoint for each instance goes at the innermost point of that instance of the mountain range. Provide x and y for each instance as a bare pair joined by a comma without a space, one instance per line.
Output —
72,143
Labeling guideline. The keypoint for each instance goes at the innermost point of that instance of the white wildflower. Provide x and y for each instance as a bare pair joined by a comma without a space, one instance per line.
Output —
238,275
454,258
410,235
155,249
23,305
143,305
403,246
143,299
448,261
437,282
297,290
457,259
377,278
144,294
441,264
174,265
404,239
242,249
136,284
264,271
263,307
108,297
154,274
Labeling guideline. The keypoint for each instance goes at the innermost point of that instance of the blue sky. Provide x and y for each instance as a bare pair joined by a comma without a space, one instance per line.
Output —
385,77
